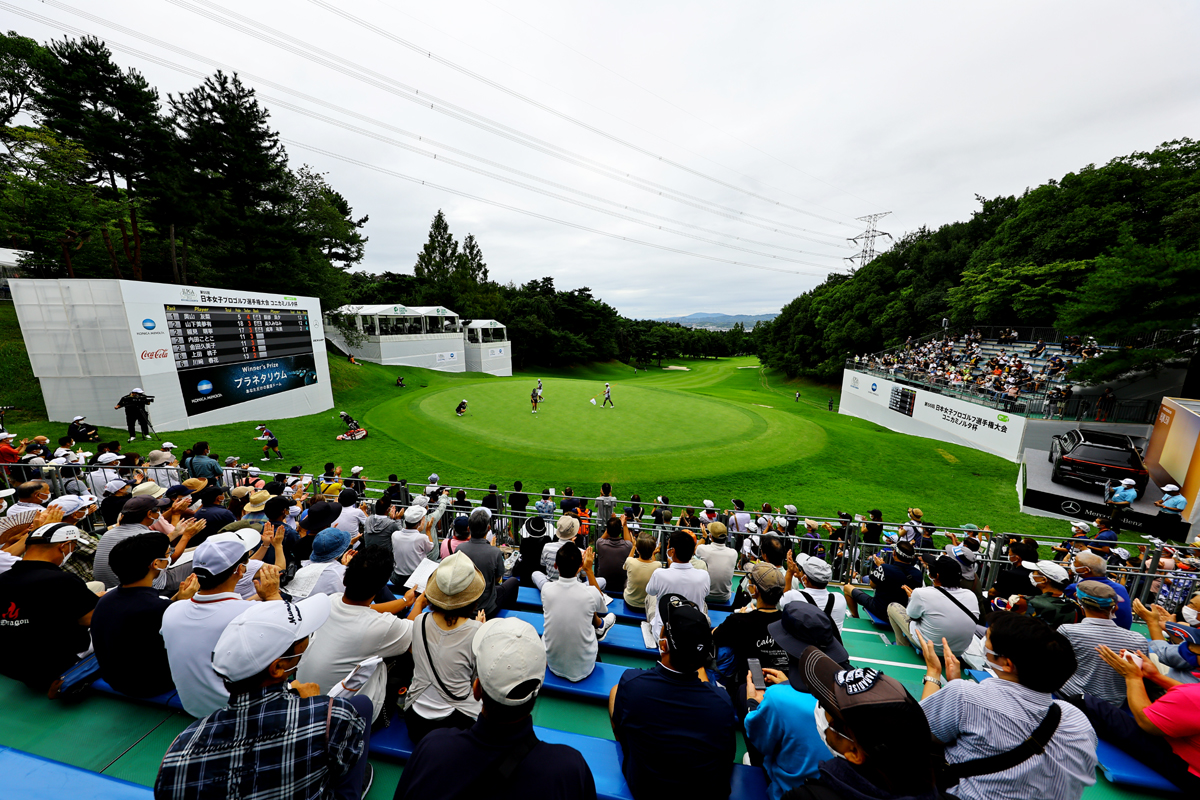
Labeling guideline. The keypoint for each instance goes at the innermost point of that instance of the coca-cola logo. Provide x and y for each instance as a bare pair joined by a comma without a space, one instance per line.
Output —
149,355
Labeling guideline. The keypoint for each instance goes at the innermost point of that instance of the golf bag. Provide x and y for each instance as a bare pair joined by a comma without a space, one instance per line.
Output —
353,429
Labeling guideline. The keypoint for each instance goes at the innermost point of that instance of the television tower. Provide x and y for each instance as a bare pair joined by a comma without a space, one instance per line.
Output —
866,239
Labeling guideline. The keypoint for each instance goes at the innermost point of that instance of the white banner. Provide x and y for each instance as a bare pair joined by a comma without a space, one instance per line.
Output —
920,412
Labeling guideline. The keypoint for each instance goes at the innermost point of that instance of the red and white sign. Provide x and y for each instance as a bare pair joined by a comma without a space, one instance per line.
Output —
150,355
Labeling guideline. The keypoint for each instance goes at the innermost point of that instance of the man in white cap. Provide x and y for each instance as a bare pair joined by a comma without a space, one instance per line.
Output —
277,738
105,473
812,577
136,412
81,431
1170,512
410,545
510,666
75,509
46,611
607,396
190,629
1119,500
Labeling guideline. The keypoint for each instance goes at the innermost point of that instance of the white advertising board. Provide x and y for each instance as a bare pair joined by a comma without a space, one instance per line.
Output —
207,356
920,412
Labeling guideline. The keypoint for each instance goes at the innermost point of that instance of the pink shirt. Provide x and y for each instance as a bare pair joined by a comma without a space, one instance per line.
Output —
1177,714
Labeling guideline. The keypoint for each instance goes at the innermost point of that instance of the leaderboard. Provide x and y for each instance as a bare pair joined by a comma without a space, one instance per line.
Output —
209,336
902,400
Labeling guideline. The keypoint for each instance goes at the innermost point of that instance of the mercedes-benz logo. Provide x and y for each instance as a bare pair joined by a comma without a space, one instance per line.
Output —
1071,507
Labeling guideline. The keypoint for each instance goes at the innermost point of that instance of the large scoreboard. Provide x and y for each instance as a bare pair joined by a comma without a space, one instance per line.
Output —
229,354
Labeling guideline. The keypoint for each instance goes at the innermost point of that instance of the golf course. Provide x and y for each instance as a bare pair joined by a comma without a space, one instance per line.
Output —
692,430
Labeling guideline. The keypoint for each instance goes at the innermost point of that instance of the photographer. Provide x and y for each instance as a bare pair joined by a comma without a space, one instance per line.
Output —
136,412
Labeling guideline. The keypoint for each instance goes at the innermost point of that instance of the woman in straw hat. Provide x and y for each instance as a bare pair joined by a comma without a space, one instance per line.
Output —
440,695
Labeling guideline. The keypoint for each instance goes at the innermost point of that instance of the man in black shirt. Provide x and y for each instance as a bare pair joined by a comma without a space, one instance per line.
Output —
44,611
1018,577
127,620
746,636
518,501
888,581
397,492
510,665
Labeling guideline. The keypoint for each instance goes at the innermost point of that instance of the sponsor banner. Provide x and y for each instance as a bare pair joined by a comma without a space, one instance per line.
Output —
211,387
920,412
151,341
447,358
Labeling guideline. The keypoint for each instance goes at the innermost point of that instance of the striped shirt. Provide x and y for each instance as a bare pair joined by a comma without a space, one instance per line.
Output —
986,719
1093,675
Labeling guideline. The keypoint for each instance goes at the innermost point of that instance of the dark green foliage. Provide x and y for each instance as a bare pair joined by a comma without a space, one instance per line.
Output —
1109,251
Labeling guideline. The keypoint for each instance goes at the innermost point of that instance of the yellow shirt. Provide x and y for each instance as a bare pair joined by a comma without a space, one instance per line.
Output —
639,575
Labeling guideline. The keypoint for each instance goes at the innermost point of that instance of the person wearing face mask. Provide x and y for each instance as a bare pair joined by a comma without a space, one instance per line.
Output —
779,726
138,514
1010,714
1180,652
1190,612
1049,605
876,732
1090,567
1092,676
127,620
45,612
75,510
277,738
190,629
31,496
1170,512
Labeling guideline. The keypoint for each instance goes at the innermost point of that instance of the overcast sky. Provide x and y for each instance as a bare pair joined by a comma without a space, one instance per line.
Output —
796,117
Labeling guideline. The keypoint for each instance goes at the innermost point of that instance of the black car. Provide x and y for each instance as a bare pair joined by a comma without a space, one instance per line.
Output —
1093,458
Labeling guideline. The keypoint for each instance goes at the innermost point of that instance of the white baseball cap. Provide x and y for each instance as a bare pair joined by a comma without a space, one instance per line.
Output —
508,655
107,458
253,471
248,538
815,568
414,514
168,445
138,390
1128,482
56,533
7,435
1081,526
264,632
708,504
70,503
78,418
230,460
355,470
1052,570
214,557
1170,487
115,485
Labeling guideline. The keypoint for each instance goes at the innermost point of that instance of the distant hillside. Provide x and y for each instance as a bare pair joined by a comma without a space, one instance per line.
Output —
701,319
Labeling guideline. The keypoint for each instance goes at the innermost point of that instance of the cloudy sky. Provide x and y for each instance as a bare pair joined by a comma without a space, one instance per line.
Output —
675,157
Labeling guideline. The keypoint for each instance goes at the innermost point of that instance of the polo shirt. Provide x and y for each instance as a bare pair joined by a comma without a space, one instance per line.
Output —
100,569
1123,495
488,560
1177,714
447,762
677,735
190,631
1173,504
1092,674
721,560
936,616
409,548
784,730
350,520
1124,614
40,634
129,647
570,634
683,579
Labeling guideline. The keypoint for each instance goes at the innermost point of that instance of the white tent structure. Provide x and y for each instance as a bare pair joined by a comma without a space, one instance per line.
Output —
432,337
488,349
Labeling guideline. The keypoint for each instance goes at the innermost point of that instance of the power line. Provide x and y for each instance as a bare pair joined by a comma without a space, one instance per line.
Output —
867,239
362,23
527,212
351,69
421,151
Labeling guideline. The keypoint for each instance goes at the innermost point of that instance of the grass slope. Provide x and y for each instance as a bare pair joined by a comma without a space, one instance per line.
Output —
722,428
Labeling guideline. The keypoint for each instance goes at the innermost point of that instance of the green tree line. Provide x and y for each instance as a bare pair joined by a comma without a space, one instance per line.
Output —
99,178
1110,251
548,326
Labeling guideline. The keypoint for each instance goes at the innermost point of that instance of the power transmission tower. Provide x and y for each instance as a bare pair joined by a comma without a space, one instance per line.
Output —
866,239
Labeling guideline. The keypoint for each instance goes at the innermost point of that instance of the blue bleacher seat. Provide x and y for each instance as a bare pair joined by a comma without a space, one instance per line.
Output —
30,777
620,638
603,757
169,699
879,623
529,598
1122,768
594,687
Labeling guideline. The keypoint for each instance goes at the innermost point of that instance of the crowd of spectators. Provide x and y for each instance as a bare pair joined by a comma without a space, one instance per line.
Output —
293,619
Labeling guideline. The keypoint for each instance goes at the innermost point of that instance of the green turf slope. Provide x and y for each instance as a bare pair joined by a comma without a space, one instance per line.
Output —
720,429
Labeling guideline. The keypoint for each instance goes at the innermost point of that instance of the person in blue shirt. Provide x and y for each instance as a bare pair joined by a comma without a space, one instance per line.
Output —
1091,566
1170,511
1119,499
781,723
200,465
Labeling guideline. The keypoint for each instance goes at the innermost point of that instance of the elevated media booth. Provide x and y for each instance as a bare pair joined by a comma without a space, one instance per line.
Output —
207,356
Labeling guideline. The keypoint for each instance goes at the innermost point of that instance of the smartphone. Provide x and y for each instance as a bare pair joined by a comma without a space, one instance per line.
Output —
756,673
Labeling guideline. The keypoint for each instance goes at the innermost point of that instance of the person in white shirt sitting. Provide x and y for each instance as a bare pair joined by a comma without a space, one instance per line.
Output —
576,615
721,560
942,611
357,630
323,573
410,544
680,577
352,517
807,580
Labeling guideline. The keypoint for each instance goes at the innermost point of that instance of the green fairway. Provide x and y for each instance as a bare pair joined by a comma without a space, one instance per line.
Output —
719,429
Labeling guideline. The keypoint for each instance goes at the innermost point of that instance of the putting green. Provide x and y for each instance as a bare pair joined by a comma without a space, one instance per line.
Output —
654,430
